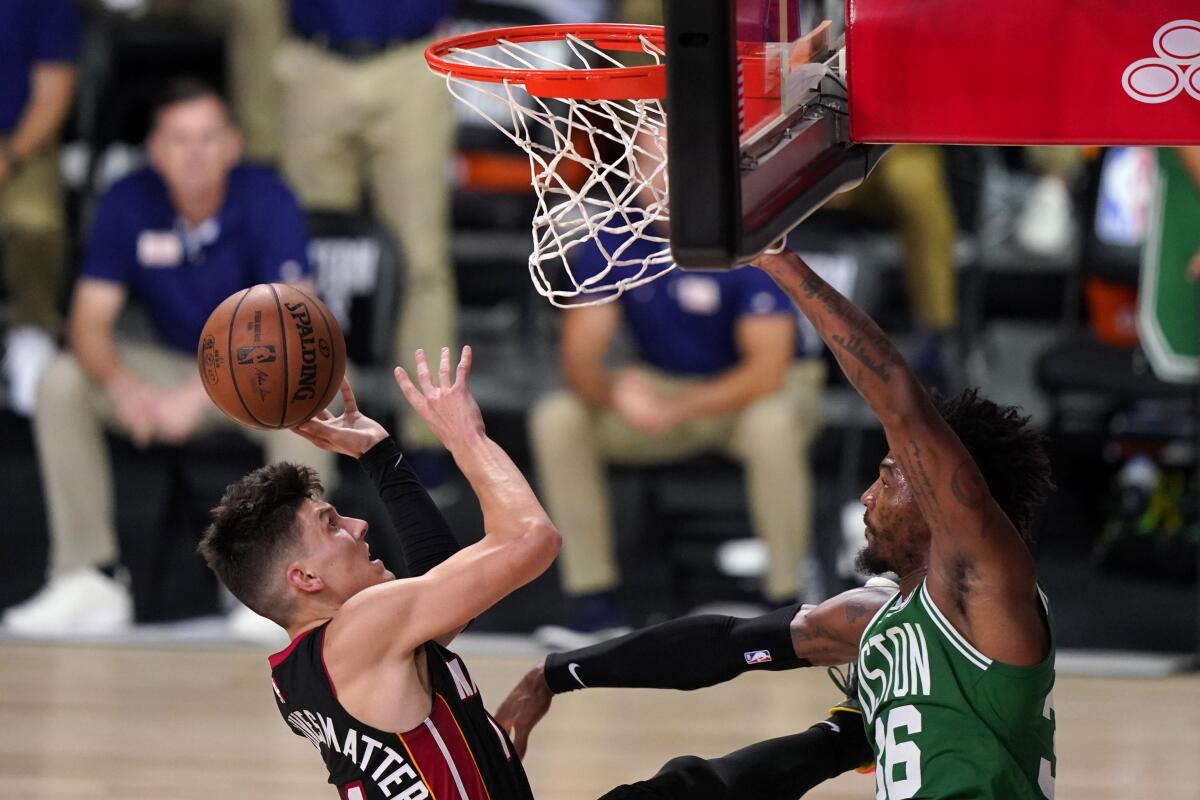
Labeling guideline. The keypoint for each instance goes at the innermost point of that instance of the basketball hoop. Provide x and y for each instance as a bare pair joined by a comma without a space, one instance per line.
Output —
595,133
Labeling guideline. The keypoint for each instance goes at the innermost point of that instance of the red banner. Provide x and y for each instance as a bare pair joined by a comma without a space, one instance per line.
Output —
1024,71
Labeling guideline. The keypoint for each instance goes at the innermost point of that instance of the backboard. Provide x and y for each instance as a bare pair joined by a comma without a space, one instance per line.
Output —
758,126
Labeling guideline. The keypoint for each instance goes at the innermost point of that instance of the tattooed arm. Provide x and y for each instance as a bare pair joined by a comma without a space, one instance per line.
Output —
981,575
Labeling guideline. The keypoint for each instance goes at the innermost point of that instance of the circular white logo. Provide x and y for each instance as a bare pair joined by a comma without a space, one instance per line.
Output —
1173,70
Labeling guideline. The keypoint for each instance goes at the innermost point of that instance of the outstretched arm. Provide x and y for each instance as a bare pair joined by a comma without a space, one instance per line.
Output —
695,652
519,542
981,574
425,538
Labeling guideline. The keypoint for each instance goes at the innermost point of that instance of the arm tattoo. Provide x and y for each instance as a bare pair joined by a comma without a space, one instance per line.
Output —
855,611
855,347
923,487
815,288
968,485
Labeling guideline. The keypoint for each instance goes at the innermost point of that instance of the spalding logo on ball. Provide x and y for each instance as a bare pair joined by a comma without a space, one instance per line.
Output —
271,356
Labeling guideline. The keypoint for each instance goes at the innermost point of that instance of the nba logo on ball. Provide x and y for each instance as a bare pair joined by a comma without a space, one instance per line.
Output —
758,656
271,356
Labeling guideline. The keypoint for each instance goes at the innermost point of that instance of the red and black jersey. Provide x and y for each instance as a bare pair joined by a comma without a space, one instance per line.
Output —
457,753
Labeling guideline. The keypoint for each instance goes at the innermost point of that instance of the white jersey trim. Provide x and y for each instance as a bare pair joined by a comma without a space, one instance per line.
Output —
952,635
437,737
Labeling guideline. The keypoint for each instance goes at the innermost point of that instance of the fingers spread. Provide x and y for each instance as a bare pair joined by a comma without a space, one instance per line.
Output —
464,364
444,369
349,403
410,392
423,378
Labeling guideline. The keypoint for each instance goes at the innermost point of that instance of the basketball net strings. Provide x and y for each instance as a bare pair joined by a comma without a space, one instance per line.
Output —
617,196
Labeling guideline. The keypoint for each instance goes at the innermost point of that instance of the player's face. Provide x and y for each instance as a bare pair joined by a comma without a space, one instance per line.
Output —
336,549
897,536
194,146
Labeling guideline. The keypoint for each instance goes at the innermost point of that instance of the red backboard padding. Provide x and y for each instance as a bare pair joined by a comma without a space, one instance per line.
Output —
1024,71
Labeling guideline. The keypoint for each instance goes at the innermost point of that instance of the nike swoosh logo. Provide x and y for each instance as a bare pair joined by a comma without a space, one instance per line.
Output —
399,458
572,668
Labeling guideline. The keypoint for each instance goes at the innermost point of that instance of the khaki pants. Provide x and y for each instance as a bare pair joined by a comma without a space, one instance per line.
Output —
910,187
573,442
33,235
69,423
384,123
253,30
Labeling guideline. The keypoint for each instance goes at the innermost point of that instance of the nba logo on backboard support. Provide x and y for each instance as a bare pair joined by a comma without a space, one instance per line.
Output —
757,656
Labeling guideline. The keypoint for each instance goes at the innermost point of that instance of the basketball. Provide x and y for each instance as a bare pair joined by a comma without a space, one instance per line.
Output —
271,356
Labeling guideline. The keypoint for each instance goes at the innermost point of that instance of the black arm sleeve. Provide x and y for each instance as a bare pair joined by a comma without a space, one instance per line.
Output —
425,538
778,769
685,653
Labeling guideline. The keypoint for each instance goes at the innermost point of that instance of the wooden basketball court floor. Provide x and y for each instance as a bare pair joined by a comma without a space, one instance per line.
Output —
200,723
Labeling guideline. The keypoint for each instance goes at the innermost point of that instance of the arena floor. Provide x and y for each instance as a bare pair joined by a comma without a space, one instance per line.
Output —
199,723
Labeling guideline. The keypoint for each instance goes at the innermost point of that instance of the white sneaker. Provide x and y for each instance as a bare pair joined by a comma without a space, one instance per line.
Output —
85,602
1046,224
247,626
27,353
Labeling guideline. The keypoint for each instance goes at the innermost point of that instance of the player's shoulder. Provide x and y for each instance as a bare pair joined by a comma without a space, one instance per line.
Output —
371,624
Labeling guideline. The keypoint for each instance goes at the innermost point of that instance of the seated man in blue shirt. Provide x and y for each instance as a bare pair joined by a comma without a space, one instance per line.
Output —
181,235
38,46
718,372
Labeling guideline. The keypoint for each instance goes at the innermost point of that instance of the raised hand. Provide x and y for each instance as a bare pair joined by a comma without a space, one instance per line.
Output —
351,433
449,408
524,708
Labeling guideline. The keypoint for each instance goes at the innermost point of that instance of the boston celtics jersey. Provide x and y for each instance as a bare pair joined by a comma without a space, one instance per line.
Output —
946,721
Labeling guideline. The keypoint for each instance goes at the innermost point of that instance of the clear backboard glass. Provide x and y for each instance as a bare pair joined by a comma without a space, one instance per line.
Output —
755,87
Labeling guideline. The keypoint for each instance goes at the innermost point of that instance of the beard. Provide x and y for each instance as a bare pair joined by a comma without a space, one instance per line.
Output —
868,562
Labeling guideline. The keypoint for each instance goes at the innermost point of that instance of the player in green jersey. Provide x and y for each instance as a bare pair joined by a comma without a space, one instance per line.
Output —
957,666
956,672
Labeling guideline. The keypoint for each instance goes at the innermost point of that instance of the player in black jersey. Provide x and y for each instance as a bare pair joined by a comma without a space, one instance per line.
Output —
367,678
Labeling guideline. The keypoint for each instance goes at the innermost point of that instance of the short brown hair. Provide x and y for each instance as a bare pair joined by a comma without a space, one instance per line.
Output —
185,89
253,529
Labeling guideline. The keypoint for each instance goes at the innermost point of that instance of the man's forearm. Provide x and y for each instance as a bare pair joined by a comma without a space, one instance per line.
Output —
686,653
592,383
96,351
868,358
424,536
53,86
508,502
730,391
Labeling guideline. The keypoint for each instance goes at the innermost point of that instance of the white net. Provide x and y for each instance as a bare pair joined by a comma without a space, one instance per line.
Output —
599,170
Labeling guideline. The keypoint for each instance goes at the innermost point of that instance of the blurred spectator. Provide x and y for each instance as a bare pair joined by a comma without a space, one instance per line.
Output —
253,30
38,45
717,372
182,234
1190,157
1045,225
909,186
361,109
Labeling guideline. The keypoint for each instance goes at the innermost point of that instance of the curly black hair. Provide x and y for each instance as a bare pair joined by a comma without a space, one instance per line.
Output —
1009,451
253,529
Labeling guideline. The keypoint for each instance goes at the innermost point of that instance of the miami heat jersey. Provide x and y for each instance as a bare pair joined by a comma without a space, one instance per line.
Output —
457,753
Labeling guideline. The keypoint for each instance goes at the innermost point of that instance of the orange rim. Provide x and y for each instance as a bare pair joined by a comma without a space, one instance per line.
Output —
608,83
